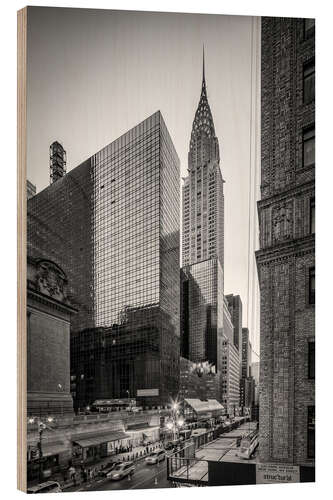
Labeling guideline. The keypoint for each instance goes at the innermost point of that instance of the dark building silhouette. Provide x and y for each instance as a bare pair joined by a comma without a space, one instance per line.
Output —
286,259
236,311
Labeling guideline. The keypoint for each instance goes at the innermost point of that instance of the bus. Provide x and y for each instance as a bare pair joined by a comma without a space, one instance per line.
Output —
248,445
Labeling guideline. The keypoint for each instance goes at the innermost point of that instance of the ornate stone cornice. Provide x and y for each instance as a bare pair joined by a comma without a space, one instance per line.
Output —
294,191
286,250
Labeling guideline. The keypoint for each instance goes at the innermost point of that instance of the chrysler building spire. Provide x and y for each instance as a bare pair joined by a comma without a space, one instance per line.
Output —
204,143
203,66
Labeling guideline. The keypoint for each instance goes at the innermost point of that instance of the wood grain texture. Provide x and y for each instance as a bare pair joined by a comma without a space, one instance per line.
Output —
21,250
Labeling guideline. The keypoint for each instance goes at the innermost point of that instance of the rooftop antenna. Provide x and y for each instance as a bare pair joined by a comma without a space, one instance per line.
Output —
57,161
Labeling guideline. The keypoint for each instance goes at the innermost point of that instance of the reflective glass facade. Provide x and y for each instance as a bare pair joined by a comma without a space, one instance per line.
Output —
113,225
202,311
126,178
136,263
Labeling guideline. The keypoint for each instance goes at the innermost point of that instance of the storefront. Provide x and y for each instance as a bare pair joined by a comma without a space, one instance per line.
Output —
91,447
54,456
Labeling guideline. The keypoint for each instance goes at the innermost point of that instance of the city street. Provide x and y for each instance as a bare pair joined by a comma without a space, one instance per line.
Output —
145,476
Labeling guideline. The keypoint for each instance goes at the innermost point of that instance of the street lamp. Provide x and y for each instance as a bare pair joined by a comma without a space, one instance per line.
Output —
42,426
180,422
174,421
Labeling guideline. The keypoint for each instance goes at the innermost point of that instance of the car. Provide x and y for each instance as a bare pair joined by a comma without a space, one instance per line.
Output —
106,471
47,487
122,470
155,457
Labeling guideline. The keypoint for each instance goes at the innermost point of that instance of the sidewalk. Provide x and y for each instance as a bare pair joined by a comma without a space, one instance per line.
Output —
138,453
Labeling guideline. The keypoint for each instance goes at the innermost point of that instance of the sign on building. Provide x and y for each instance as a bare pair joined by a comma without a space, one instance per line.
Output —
277,473
147,392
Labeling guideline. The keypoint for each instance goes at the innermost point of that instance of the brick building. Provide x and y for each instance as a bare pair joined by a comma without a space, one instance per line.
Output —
286,258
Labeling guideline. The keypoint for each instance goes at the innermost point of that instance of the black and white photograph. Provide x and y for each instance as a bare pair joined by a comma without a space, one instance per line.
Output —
168,331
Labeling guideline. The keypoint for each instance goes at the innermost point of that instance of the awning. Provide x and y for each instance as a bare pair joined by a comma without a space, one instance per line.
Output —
137,427
204,406
50,449
86,440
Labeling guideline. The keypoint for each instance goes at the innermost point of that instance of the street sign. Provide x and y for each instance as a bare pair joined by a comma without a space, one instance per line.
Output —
277,473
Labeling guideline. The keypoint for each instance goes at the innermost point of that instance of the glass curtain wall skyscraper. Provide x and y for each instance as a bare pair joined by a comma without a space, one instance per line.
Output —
113,225
136,260
203,242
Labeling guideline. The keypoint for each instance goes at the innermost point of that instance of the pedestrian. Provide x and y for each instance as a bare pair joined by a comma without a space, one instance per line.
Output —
72,474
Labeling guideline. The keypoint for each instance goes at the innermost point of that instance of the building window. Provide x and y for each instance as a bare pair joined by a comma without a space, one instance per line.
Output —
311,360
309,147
312,285
311,431
309,28
312,216
309,82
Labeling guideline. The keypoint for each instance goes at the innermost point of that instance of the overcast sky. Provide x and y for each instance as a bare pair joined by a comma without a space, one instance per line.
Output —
94,74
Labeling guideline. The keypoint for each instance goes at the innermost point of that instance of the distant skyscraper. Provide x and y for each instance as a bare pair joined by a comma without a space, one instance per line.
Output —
236,308
113,224
246,357
203,242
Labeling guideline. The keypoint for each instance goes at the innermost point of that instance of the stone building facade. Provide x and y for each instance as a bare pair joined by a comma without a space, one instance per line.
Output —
286,258
49,313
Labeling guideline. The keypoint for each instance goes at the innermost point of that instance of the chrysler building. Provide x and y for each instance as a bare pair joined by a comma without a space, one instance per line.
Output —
203,202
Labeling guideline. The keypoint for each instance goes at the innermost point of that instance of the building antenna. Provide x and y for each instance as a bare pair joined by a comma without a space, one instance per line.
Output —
203,63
